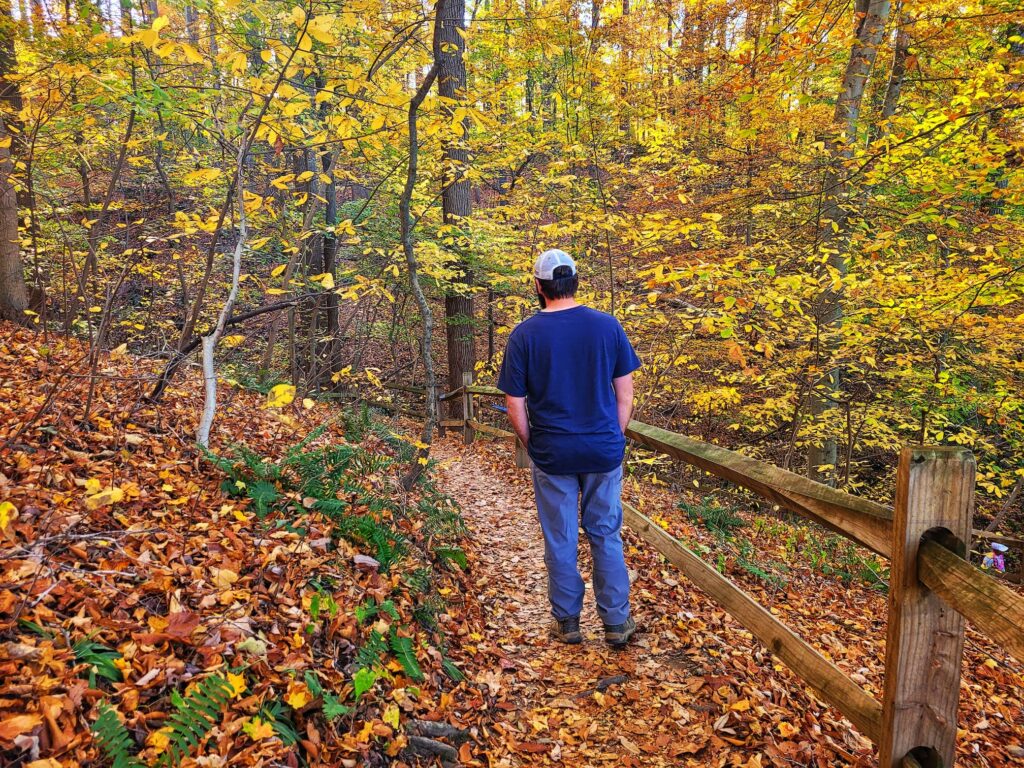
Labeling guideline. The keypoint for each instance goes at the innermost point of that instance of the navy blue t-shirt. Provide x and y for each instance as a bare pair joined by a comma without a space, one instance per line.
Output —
563,363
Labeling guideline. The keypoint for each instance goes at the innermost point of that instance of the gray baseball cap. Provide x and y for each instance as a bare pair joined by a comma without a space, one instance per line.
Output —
546,264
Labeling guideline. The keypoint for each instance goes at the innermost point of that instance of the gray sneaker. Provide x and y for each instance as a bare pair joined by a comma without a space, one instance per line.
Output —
617,635
567,630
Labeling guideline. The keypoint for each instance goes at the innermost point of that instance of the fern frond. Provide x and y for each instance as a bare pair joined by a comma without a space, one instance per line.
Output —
372,650
194,716
114,739
406,655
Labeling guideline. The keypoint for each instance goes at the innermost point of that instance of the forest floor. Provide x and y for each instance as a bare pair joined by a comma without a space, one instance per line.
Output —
131,571
694,688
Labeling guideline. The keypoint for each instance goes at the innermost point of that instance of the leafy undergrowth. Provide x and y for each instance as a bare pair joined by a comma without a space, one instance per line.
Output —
277,601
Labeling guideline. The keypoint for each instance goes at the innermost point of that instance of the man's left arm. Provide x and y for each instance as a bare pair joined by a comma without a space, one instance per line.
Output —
623,386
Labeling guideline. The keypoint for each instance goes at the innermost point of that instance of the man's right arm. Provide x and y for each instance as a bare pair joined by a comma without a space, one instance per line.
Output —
517,415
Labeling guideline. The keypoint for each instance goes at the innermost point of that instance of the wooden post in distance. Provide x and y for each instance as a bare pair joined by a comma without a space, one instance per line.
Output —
467,408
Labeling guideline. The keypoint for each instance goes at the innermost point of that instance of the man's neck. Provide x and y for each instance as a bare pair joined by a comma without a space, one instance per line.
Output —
558,305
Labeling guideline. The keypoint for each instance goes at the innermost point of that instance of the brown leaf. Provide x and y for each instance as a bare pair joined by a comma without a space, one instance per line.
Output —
17,725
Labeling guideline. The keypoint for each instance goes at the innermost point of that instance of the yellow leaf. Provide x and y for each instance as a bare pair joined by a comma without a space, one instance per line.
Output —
298,16
391,716
159,740
233,341
320,30
119,351
159,23
307,403
223,578
192,56
8,512
104,498
325,279
240,516
740,706
237,683
275,291
787,730
278,270
257,729
280,395
304,176
298,695
202,176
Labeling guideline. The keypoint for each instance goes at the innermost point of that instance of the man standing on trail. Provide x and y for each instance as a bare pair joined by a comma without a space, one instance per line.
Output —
567,377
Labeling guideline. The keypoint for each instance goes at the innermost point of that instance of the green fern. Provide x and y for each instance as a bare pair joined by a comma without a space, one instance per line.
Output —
418,581
406,655
453,672
194,716
114,739
371,608
100,659
370,653
389,546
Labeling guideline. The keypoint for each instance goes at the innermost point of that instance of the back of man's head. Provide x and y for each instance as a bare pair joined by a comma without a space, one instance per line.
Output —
555,271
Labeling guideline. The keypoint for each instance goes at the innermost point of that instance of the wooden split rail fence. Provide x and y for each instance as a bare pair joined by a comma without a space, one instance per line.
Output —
933,589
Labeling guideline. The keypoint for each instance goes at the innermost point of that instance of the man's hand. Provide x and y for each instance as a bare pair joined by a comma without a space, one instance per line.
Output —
517,415
623,387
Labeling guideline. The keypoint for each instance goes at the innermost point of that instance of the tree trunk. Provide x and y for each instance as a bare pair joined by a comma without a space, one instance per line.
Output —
455,196
408,248
900,53
14,295
871,16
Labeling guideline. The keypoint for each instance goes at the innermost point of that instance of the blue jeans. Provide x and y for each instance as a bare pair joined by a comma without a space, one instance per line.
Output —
559,500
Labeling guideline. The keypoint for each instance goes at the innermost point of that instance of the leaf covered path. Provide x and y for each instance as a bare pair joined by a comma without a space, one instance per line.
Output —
693,688
690,690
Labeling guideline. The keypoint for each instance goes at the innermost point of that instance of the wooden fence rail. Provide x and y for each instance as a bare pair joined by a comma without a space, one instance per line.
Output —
926,537
830,682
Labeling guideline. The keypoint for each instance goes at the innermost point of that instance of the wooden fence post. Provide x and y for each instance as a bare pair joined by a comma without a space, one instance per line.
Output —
467,407
925,638
437,393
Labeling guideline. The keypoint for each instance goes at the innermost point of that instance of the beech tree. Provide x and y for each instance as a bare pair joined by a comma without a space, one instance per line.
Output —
14,295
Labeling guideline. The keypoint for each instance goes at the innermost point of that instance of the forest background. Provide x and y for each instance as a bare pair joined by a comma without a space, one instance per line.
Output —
807,214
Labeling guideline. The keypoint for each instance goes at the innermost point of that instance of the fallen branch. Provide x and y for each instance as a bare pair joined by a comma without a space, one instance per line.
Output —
424,747
438,730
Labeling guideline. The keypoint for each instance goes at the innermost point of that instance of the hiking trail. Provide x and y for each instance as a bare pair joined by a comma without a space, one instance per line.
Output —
691,688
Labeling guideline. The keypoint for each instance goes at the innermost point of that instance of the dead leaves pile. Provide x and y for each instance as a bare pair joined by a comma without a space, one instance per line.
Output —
126,575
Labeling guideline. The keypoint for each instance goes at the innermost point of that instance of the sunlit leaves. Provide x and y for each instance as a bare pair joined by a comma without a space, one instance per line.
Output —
280,395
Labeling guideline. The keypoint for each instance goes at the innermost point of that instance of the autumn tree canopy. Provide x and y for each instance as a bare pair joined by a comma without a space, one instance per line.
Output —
808,215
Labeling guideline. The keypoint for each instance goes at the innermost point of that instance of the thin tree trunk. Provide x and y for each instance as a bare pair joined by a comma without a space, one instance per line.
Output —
14,296
457,205
871,16
408,247
13,289
900,53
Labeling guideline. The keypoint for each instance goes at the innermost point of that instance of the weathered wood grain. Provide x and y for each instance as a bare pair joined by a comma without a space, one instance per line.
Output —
487,429
925,636
993,608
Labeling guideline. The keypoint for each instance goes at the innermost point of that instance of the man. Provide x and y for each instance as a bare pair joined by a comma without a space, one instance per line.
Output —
573,367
